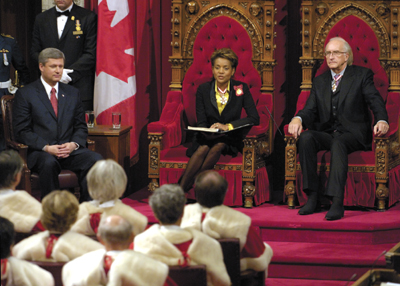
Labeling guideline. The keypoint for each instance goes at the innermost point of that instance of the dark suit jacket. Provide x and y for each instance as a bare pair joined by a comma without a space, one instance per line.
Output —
36,125
79,49
357,93
207,114
207,109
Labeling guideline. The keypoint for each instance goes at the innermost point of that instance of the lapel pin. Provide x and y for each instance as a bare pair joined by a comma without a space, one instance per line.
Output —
62,95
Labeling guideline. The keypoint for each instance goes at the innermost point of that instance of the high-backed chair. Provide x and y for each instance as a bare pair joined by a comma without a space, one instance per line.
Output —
197,31
30,180
371,30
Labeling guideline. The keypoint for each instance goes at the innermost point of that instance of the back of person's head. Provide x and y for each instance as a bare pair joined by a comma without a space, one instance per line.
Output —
167,203
11,164
115,230
210,188
7,237
106,181
50,53
59,211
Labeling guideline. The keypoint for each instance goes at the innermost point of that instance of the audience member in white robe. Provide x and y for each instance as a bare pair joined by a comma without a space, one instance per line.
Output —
116,264
16,272
106,184
58,242
19,207
173,245
219,221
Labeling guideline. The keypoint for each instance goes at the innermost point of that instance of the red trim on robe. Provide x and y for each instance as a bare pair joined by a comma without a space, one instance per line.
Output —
170,282
4,271
38,227
4,266
107,263
254,246
51,240
95,221
183,247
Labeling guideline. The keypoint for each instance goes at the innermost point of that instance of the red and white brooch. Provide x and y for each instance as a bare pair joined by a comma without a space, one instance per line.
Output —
239,89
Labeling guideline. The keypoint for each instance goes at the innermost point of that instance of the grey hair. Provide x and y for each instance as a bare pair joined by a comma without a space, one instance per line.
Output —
346,47
167,203
11,164
50,53
115,229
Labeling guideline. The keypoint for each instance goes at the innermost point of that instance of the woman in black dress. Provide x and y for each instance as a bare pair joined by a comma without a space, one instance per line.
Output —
219,104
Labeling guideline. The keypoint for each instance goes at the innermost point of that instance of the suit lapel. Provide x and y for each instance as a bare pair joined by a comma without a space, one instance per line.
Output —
53,24
327,91
213,97
44,97
68,25
345,84
61,100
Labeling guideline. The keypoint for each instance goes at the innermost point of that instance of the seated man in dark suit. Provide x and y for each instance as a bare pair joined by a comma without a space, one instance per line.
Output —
48,117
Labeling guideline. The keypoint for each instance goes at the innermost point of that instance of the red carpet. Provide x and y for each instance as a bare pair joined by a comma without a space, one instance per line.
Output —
309,250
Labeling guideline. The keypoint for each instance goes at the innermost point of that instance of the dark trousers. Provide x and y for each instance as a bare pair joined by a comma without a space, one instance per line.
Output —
340,145
48,167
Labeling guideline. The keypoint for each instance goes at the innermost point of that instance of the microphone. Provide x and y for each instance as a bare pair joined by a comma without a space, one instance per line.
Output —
351,278
276,125
372,277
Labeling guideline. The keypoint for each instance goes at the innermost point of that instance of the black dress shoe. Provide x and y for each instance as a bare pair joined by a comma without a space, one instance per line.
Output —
336,211
313,205
310,208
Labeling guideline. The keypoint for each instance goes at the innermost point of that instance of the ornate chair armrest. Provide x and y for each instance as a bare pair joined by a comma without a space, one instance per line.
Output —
170,123
22,150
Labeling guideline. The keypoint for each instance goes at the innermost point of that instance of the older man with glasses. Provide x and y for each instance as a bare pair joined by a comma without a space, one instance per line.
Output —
336,117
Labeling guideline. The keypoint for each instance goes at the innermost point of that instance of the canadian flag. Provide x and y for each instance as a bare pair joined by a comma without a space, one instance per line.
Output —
115,83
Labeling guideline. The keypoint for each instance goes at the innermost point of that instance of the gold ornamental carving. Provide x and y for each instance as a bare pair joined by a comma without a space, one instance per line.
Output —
291,160
382,192
359,11
381,163
153,185
248,161
154,158
249,190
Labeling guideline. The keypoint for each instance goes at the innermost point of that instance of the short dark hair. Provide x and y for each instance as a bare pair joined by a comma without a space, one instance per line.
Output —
167,203
11,164
7,237
210,188
225,53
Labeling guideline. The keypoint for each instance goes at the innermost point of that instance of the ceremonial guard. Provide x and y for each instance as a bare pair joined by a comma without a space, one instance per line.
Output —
10,55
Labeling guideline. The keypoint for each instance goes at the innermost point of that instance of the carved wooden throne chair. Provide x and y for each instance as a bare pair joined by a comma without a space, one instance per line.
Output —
371,29
197,31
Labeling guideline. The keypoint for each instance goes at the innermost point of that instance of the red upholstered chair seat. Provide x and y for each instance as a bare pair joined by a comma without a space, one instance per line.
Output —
362,181
167,159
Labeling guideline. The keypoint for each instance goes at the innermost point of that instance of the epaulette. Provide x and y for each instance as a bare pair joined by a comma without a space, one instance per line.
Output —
7,36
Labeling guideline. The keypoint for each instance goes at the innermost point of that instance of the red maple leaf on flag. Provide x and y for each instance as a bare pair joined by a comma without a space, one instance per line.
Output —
113,44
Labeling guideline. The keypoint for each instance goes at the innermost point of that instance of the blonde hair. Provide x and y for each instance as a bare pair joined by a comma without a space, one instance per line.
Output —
59,211
106,181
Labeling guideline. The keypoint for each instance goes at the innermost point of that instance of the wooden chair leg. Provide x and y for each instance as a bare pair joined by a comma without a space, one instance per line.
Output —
290,194
248,192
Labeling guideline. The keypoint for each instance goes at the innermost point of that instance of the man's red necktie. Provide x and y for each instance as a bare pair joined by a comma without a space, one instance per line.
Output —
53,100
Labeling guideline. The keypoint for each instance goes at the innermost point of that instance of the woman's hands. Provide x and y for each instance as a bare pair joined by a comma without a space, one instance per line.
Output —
220,126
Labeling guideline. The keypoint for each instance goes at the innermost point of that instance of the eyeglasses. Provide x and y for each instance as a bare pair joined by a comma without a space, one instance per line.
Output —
334,53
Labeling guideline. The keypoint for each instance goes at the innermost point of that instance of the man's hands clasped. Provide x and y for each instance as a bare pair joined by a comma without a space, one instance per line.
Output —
61,151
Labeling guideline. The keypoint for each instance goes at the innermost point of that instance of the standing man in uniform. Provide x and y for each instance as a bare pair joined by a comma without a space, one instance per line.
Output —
72,30
10,55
